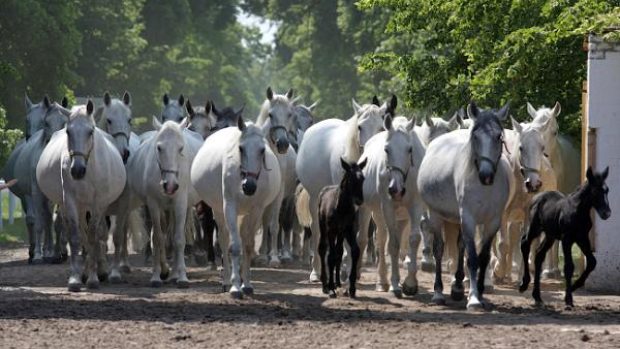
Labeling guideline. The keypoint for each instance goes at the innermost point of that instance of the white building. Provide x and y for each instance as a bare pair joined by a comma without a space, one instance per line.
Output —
602,148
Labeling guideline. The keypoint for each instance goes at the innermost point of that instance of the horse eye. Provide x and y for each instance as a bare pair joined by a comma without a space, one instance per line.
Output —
410,150
181,150
129,121
387,150
262,151
270,115
159,148
109,121
359,128
240,149
520,148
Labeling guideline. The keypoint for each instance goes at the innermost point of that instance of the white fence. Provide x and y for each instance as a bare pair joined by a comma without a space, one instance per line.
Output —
12,206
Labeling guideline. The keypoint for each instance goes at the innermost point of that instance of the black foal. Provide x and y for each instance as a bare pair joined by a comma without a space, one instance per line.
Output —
565,218
337,212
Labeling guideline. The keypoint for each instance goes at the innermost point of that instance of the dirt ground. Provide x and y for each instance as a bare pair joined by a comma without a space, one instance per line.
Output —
36,310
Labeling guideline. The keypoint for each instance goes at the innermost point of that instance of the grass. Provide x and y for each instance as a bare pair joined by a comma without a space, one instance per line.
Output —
16,232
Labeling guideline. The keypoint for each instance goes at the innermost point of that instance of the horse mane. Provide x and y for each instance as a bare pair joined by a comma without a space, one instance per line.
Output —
352,151
264,110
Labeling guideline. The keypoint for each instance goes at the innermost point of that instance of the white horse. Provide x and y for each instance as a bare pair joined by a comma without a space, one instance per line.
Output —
159,176
466,182
276,121
391,195
565,161
318,160
433,127
81,170
236,173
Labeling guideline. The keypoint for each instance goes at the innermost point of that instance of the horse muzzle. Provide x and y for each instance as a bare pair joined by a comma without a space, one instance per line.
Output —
486,172
170,188
282,145
78,169
605,213
532,186
395,193
248,185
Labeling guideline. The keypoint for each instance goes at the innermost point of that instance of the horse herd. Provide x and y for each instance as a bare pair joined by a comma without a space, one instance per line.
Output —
204,178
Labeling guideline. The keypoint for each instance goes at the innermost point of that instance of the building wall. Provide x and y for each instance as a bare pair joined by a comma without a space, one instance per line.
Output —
604,117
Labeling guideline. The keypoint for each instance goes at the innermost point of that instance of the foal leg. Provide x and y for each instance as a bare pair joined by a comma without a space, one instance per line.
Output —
339,253
538,261
322,252
569,267
332,257
349,235
533,231
584,245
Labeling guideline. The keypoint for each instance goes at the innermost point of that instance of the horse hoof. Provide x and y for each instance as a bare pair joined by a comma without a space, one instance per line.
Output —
248,291
457,295
397,293
314,277
475,306
115,278
125,269
351,293
382,287
164,274
438,300
428,267
332,294
37,261
236,294
92,285
182,283
157,283
410,290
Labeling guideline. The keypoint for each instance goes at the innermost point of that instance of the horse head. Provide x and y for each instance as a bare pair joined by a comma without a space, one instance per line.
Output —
115,119
80,138
173,110
486,140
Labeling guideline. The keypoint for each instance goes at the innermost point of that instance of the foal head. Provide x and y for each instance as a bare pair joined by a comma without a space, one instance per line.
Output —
80,138
170,153
173,110
486,140
115,119
398,158
598,191
352,182
251,156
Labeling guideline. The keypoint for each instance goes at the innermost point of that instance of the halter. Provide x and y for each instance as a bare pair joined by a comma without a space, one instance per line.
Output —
121,133
74,153
530,169
248,174
164,171
489,160
398,169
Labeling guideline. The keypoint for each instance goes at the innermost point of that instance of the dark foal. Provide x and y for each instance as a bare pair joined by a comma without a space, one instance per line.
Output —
565,218
337,212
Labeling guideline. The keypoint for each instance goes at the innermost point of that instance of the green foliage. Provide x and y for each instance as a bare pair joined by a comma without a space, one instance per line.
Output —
450,52
8,138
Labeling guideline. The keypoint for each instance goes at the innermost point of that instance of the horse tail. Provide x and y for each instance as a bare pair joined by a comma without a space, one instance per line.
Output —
137,230
352,151
302,206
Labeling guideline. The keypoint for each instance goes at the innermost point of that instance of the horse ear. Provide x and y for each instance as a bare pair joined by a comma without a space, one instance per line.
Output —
208,107
455,121
393,104
107,99
166,99
240,111
429,121
90,107
502,114
363,163
344,164
156,123
472,110
589,174
557,109
241,124
516,125
189,108
269,93
531,110
127,98
27,101
375,101
64,102
181,99
46,102
313,105
605,173
387,122
411,124
290,93
356,106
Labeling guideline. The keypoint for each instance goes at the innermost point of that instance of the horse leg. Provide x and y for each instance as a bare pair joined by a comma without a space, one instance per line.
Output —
93,236
307,246
322,252
287,212
569,268
181,212
61,236
264,248
157,239
484,258
502,253
363,216
434,225
457,291
533,231
249,227
468,226
586,248
514,229
382,284
274,228
234,248
410,285
314,238
72,223
102,260
538,262
339,253
427,263
223,241
371,250
297,232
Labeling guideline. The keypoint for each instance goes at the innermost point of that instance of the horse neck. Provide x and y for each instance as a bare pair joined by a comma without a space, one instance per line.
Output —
581,198
352,151
263,114
344,200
